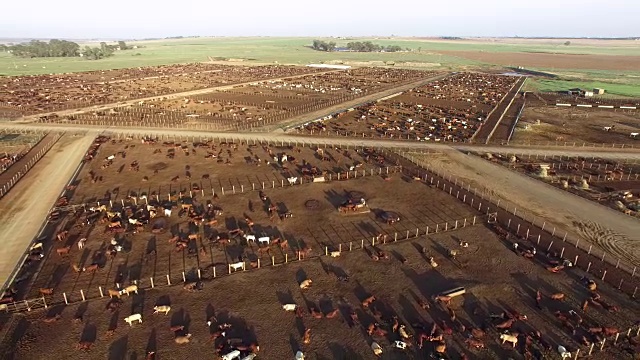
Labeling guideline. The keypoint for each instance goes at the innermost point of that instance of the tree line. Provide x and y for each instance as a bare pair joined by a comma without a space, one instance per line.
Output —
62,48
357,46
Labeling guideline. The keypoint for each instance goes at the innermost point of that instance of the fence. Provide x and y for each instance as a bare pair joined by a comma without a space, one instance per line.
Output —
183,277
515,123
31,162
341,176
614,271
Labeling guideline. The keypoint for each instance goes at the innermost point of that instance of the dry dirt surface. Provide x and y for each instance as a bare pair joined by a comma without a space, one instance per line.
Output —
146,254
561,124
27,204
495,278
545,60
605,228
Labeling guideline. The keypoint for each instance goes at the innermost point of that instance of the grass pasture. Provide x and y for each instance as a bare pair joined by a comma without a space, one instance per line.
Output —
426,53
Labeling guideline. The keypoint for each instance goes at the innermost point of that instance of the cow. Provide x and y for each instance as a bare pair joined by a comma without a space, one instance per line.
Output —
510,338
131,318
183,339
158,309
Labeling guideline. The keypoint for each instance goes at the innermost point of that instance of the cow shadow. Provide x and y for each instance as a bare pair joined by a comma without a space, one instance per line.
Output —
137,302
181,318
114,320
81,310
118,348
163,300
285,297
152,342
339,351
55,310
89,333
301,275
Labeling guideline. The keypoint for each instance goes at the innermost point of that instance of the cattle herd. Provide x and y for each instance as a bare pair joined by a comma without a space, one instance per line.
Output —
141,208
450,109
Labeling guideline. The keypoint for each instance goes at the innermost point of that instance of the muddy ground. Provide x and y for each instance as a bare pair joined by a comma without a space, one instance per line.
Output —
495,279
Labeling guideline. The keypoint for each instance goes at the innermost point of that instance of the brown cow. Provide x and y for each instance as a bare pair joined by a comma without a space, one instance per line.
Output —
478,344
307,336
332,314
64,251
366,302
48,291
557,296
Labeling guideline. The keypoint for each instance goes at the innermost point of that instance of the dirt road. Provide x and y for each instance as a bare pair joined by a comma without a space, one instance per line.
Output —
627,153
23,210
606,228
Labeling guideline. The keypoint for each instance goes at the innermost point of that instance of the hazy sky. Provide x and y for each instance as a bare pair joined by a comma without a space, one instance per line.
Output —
161,18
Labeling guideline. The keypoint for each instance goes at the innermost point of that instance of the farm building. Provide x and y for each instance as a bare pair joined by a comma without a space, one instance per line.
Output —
579,92
598,91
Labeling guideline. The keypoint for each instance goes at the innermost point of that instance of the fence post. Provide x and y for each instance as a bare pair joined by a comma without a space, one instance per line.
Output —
199,274
407,235
273,261
169,280
604,274
350,245
100,289
82,294
66,301
550,244
326,249
152,284
588,266
474,220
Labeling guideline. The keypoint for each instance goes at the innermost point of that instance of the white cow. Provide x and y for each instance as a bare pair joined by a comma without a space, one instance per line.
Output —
292,180
165,309
81,243
289,307
231,356
131,318
36,246
249,357
334,253
264,240
250,237
129,289
167,212
634,135
237,266
305,284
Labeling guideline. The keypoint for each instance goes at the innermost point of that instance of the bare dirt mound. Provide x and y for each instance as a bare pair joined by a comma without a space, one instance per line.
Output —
616,244
158,166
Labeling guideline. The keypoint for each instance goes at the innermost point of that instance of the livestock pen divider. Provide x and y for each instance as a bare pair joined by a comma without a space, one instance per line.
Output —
546,236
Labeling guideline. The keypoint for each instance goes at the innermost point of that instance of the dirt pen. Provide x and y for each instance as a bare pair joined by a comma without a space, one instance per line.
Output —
495,279
245,107
21,167
402,277
620,274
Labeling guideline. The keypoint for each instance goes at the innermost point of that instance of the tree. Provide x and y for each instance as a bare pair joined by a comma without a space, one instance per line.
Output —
122,45
323,46
567,43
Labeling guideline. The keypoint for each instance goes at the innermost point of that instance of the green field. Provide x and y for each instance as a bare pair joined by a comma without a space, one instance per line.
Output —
424,54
